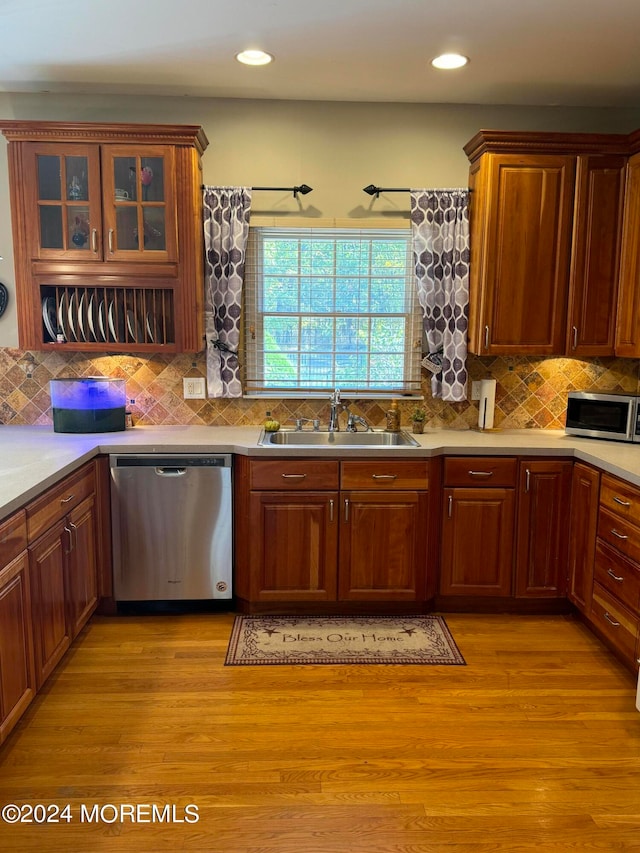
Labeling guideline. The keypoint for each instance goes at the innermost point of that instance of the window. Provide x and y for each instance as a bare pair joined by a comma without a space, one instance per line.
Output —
331,308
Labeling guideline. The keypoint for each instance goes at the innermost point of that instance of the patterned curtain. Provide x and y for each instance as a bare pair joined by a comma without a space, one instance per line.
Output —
440,229
226,228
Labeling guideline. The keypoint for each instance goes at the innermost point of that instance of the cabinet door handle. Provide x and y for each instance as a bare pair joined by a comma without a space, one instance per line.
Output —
618,535
480,473
74,531
346,510
621,502
66,500
450,510
293,476
527,480
611,621
384,476
94,240
486,337
575,337
111,240
613,575
70,548
330,510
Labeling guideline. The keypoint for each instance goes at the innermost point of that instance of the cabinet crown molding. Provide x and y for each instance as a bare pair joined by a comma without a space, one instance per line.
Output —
517,142
52,131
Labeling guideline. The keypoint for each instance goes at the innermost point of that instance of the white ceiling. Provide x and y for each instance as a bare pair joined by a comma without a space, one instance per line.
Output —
561,52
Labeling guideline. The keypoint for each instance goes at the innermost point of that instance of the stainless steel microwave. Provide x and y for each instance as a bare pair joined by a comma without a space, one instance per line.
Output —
612,416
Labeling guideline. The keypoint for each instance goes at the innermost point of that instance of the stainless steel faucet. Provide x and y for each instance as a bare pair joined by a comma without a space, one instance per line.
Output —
354,420
313,421
334,425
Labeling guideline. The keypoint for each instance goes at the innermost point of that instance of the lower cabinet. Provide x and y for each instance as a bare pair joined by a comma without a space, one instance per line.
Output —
585,492
324,530
17,674
477,542
544,501
504,530
62,563
478,526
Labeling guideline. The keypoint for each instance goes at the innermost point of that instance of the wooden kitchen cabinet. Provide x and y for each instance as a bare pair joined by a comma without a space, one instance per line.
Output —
330,531
615,610
477,542
478,526
545,211
544,500
107,235
61,527
628,317
294,546
595,255
17,673
583,522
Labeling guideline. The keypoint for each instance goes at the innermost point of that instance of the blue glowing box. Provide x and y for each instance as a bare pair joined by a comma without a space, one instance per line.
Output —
92,404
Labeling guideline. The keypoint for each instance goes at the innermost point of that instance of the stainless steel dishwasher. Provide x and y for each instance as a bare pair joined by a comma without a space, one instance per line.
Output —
172,526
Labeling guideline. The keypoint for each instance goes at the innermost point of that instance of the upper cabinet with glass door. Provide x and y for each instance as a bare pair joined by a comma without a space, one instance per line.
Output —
110,202
107,232
139,203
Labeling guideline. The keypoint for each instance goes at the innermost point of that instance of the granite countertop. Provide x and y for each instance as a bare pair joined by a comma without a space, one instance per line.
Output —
34,457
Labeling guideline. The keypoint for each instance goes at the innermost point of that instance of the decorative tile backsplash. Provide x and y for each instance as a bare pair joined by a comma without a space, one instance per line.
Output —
530,392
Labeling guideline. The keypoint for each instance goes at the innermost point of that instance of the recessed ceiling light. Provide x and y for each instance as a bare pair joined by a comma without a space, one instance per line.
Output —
254,57
449,60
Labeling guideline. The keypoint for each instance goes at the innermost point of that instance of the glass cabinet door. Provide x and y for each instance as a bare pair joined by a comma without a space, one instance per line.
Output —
67,222
139,203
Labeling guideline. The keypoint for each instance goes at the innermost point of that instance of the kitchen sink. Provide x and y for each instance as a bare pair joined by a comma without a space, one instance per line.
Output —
308,438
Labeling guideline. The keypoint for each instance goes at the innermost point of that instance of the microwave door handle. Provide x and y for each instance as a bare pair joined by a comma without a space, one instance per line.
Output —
631,417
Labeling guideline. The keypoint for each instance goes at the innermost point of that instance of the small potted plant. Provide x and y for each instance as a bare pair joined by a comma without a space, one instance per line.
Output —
418,417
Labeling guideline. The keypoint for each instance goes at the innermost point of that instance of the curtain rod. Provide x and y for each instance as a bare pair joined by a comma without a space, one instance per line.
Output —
303,189
373,190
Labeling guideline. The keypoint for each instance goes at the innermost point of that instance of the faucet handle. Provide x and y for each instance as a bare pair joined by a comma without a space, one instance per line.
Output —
335,397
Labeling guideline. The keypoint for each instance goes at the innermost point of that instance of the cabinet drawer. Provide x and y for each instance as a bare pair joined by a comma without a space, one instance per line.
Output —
480,471
621,498
618,575
385,474
56,502
285,474
13,537
619,533
614,621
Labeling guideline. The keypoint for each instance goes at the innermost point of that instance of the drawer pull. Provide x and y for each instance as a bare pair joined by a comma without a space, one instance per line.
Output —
480,473
613,575
293,476
610,620
66,500
621,502
384,476
618,535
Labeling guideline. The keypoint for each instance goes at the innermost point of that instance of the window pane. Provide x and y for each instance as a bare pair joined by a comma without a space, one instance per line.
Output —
280,294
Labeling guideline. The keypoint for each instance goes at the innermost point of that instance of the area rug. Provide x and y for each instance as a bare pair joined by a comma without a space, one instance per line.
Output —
272,640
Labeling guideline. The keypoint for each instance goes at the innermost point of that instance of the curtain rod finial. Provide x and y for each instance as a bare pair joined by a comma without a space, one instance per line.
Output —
372,190
303,189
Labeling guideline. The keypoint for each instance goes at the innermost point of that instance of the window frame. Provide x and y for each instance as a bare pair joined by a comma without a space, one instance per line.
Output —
254,386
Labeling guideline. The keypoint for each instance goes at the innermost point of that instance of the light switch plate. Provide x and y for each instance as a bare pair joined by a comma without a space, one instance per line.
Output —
475,390
194,388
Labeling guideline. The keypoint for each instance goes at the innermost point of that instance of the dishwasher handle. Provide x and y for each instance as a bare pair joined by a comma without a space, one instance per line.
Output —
171,472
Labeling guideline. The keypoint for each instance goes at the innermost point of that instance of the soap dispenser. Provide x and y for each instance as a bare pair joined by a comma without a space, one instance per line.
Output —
393,417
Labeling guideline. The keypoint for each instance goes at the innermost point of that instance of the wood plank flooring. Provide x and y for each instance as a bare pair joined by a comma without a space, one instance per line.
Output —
534,745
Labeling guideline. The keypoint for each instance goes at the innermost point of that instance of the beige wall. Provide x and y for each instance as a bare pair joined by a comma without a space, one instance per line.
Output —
337,148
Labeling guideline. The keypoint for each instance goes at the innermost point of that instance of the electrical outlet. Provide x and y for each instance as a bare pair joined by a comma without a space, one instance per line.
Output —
193,388
475,390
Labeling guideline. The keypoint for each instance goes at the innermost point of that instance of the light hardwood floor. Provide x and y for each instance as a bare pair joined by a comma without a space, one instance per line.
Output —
534,745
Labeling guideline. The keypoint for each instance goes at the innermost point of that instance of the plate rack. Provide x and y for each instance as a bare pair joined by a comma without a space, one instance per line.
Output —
109,316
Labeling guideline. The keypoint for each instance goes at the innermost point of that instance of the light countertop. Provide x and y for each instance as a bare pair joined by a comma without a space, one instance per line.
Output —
33,458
